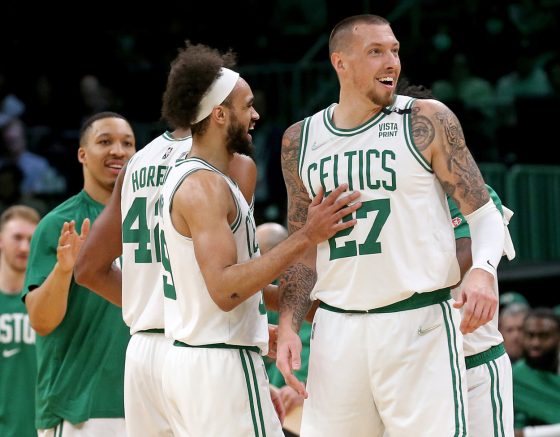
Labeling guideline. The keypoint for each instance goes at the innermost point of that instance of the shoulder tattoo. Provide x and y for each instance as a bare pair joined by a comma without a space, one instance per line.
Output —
423,130
298,199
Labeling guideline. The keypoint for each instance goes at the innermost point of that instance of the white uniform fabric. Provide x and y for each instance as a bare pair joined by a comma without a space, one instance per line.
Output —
191,316
403,370
219,392
142,284
409,381
214,360
490,393
89,428
142,270
401,197
145,407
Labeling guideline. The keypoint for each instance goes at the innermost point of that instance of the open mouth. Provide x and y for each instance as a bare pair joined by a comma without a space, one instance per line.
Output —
388,81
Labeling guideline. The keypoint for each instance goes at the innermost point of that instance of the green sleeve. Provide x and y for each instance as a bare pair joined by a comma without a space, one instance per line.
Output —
460,225
42,255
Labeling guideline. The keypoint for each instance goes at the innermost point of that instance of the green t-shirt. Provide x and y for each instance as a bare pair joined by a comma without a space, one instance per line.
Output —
274,375
18,369
81,363
536,396
460,225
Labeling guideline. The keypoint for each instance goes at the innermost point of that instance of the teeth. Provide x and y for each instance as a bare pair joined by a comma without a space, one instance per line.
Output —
385,79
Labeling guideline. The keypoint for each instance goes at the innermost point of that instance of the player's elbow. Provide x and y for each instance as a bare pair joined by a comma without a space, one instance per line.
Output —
41,326
224,299
82,275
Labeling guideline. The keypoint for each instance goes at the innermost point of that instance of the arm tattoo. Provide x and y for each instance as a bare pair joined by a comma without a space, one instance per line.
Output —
461,163
295,288
298,199
423,130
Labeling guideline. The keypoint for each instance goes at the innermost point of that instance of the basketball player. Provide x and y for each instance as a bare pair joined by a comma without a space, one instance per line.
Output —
82,338
489,380
214,309
133,212
18,365
397,363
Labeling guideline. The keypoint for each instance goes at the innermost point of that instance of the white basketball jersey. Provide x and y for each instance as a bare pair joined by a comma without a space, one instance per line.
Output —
403,242
142,285
191,316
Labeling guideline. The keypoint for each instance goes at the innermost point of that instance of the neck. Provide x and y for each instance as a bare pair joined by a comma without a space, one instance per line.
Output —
212,150
96,192
11,281
180,133
353,110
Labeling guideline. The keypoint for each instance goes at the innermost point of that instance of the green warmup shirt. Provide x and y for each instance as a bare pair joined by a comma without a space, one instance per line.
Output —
536,396
80,365
18,369
274,375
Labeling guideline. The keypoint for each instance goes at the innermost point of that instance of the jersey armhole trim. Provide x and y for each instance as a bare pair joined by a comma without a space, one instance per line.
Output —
303,144
410,141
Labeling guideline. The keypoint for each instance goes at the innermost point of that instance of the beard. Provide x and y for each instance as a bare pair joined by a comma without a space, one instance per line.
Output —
547,362
237,140
381,99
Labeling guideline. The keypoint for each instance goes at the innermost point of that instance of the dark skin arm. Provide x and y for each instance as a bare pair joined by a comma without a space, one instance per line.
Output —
95,268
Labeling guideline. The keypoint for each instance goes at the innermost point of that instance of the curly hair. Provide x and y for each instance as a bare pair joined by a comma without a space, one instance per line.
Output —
192,72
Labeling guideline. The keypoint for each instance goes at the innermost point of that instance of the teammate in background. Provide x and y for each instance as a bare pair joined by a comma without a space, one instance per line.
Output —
270,235
18,367
536,382
511,326
385,296
82,338
129,226
214,276
490,392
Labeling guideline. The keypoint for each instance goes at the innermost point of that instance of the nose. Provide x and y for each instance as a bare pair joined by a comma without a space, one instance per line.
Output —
118,149
255,115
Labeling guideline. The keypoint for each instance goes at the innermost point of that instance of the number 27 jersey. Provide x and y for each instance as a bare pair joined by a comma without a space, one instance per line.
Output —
402,242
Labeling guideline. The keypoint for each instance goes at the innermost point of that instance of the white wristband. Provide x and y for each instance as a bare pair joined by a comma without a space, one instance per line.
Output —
487,237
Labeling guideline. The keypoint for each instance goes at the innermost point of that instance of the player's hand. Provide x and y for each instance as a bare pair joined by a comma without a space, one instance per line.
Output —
325,214
277,402
70,243
272,341
478,298
290,398
289,358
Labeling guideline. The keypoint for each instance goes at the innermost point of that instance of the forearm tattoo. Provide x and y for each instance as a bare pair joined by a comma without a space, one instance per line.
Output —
295,289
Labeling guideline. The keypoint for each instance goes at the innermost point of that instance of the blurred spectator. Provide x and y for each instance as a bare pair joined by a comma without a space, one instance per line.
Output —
536,383
10,191
528,80
38,176
510,325
510,297
18,368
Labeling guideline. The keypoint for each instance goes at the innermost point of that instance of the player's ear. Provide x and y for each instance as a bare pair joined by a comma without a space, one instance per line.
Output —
81,155
337,62
219,114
